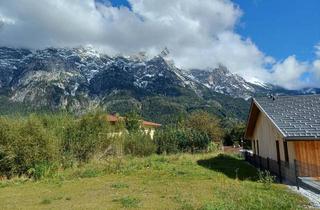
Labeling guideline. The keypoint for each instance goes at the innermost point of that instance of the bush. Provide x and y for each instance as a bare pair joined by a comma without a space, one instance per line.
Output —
24,144
42,170
212,147
167,140
175,139
85,137
265,178
205,123
37,145
235,135
139,144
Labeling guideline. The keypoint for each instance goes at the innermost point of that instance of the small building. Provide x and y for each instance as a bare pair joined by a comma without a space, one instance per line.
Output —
148,127
286,129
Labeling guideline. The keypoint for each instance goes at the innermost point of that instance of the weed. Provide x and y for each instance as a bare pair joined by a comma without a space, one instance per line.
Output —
46,201
265,178
186,206
119,185
128,202
89,173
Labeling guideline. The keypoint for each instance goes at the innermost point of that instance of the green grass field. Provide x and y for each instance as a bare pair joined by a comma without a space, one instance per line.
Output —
186,182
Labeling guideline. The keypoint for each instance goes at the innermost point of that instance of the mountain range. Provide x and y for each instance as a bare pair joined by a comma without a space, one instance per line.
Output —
79,79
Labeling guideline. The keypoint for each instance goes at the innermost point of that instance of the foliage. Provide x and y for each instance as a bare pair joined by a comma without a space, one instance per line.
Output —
25,144
212,147
173,139
36,144
138,143
203,122
43,170
39,145
85,137
265,178
234,135
132,121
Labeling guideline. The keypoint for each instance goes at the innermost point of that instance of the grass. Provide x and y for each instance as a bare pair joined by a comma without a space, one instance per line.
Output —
128,202
185,182
119,185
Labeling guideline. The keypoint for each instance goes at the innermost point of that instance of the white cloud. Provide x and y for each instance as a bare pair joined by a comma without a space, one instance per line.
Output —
316,63
199,34
316,68
288,73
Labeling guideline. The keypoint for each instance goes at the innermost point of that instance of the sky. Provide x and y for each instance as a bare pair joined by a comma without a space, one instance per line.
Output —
262,40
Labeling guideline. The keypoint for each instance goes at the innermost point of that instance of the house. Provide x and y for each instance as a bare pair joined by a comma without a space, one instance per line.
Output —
148,127
286,129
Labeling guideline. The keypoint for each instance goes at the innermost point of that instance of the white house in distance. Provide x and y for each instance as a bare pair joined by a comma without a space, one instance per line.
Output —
148,127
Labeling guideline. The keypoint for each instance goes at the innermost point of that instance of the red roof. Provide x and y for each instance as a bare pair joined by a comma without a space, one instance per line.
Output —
146,123
113,118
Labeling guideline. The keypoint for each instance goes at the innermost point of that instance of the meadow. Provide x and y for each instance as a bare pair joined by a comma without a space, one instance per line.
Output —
204,181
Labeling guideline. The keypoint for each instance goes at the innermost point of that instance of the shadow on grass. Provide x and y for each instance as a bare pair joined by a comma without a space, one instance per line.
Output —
231,166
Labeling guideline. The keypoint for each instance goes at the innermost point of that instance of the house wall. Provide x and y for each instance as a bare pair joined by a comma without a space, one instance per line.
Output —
149,131
308,152
267,134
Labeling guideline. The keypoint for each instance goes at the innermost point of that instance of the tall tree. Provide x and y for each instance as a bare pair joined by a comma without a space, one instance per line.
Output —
205,123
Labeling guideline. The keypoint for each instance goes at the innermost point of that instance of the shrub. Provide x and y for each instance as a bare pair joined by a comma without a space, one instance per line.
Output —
175,139
265,178
139,144
234,136
205,123
87,136
132,122
42,170
167,140
24,144
212,147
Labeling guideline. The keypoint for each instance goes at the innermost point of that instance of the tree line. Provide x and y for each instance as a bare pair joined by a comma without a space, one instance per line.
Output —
31,145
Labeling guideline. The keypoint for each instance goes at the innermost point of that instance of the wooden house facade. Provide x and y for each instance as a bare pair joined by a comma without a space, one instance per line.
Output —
287,129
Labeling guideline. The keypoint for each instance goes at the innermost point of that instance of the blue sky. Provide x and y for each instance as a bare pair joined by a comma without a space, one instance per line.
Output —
279,28
282,27
120,3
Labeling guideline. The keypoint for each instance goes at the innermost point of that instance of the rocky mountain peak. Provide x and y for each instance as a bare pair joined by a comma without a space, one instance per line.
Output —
82,77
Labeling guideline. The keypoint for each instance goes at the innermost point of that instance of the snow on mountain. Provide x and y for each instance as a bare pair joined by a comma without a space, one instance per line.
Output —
63,77
84,77
221,80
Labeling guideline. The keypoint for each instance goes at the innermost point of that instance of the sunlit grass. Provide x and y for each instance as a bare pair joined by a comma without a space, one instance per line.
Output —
201,181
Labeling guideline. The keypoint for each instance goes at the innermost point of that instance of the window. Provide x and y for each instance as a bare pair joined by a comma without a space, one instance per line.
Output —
278,151
254,147
286,155
258,147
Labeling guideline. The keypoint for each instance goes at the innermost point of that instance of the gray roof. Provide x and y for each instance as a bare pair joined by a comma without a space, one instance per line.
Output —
295,116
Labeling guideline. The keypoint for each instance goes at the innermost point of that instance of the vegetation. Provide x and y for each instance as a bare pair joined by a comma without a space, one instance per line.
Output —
173,139
87,136
234,136
88,163
40,145
181,181
205,123
132,121
138,143
159,108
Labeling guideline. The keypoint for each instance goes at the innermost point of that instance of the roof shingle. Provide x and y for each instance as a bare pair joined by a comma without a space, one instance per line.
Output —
295,116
